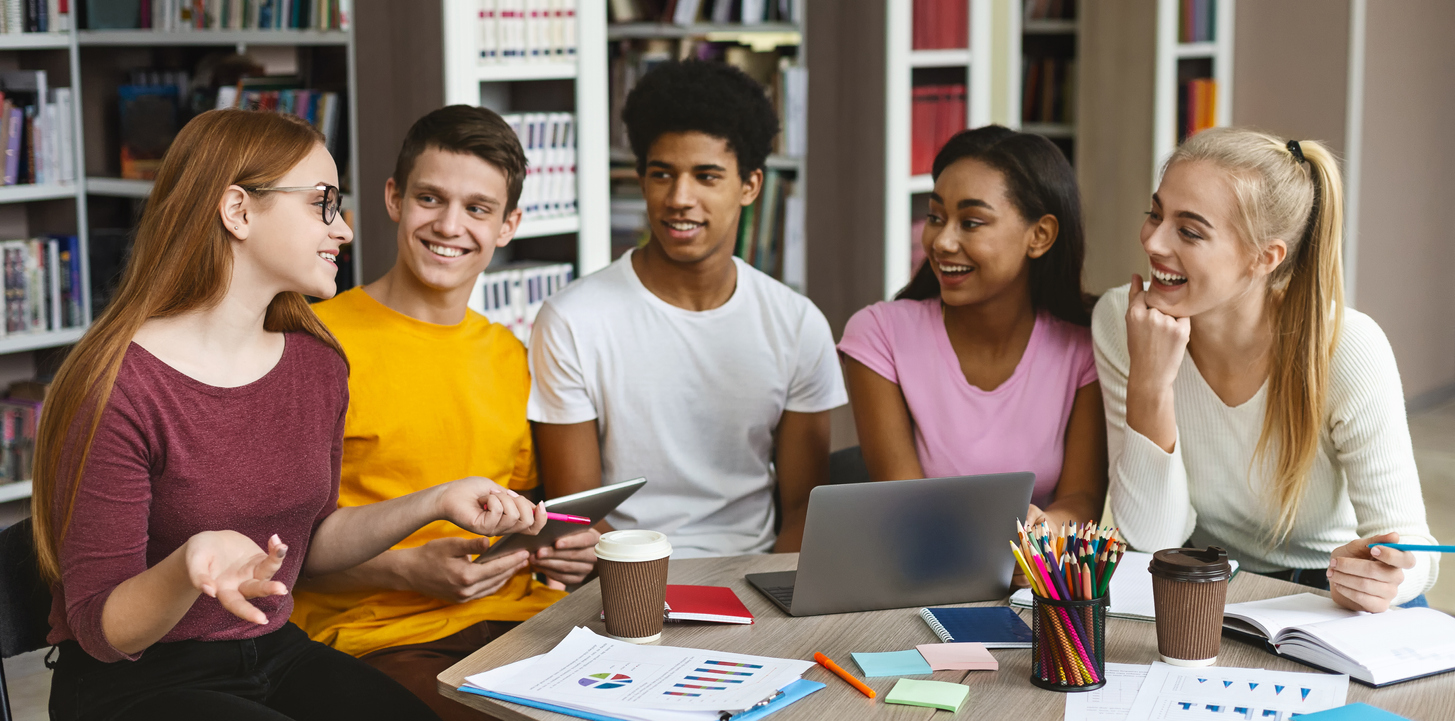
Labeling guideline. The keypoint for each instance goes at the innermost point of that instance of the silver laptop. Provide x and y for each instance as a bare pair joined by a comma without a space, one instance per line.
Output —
896,544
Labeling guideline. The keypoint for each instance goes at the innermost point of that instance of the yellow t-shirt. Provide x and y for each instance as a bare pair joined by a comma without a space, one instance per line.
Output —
427,404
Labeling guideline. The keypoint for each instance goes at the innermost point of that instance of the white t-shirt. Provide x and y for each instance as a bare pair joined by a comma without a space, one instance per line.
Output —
689,400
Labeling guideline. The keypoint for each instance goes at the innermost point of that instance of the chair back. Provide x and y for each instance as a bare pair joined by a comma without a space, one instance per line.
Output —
25,600
846,465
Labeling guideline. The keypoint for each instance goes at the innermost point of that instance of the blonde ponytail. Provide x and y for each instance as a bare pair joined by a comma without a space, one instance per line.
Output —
1289,191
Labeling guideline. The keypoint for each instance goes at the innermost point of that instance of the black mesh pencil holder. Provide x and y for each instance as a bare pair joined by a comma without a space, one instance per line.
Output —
1068,644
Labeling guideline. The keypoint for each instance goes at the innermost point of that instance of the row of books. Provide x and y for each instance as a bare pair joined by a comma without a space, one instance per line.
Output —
549,140
513,31
936,112
688,12
321,108
174,15
770,231
785,81
512,295
18,420
35,16
1197,106
1050,9
1049,89
1197,21
941,24
36,130
42,279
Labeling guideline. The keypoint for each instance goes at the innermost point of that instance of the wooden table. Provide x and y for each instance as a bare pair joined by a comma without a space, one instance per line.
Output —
1006,693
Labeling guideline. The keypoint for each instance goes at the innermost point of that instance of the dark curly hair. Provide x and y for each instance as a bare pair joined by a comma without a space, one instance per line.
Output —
1039,182
707,97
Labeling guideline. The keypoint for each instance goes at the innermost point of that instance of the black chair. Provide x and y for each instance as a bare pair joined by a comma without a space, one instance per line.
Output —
25,601
846,465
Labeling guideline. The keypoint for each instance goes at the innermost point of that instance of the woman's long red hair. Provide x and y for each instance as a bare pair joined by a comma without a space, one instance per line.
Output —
181,261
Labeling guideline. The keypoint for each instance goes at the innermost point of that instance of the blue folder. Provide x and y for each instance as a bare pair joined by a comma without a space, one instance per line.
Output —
792,692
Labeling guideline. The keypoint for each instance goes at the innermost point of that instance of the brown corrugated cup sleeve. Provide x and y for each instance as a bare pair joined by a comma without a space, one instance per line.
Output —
634,596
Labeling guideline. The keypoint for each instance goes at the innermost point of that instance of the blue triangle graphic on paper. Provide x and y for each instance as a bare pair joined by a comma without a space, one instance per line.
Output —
1227,684
1252,685
1306,693
1277,690
1202,680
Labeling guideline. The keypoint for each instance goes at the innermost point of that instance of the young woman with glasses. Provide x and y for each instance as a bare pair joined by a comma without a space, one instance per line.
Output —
187,464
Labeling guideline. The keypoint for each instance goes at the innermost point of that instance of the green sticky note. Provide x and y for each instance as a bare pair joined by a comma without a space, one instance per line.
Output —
930,694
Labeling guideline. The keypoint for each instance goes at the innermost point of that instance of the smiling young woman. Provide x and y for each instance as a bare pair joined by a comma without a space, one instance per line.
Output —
198,423
983,364
1241,395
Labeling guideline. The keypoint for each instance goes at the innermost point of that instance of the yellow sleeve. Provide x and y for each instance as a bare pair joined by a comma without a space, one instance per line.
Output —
524,475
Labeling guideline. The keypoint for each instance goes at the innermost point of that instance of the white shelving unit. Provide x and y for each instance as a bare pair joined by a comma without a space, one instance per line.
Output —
471,82
1170,53
900,62
14,491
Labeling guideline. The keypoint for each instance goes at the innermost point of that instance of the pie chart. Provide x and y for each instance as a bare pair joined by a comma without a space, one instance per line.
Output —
605,680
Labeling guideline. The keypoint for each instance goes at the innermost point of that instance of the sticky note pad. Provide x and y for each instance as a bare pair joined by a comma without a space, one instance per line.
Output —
894,663
958,657
930,694
1354,712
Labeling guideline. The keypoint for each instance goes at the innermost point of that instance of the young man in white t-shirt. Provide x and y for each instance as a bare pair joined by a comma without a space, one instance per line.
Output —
679,362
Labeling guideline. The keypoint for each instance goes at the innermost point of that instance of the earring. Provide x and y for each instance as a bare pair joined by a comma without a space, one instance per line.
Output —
234,227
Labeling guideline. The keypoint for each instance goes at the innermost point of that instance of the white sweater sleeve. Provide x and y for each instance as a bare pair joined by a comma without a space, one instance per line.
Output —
1149,496
1371,439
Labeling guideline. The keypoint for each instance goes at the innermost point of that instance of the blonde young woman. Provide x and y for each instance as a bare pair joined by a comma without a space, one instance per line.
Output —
187,467
1246,406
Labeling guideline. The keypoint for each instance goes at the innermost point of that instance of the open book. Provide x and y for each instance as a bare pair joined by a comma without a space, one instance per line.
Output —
1373,648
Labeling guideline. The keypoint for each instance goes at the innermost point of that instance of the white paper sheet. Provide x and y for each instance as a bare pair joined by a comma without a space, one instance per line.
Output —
489,679
591,671
1112,701
1173,693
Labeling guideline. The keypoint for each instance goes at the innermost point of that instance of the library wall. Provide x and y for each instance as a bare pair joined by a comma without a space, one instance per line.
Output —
1405,246
399,67
1114,127
1291,68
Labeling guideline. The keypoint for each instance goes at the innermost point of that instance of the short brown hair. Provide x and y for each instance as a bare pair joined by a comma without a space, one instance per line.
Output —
466,129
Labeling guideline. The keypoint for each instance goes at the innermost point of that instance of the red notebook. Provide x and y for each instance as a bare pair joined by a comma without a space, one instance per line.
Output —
717,604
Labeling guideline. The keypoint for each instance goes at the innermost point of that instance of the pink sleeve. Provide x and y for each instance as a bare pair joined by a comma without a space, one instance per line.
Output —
106,542
866,339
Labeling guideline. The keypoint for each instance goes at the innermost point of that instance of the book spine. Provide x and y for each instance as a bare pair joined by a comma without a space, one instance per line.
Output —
14,120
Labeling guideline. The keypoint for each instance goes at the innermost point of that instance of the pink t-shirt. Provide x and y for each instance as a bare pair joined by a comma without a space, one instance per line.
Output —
961,430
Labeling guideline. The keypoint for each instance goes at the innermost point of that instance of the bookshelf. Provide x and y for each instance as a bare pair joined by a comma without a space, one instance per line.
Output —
575,85
1037,46
1133,60
634,46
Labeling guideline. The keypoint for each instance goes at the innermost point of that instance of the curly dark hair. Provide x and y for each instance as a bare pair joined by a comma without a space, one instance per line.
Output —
1039,181
707,97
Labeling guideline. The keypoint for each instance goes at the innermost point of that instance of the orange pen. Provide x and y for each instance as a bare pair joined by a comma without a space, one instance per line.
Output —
829,664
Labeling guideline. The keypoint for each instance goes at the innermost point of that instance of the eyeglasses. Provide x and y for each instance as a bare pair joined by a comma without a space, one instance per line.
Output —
332,199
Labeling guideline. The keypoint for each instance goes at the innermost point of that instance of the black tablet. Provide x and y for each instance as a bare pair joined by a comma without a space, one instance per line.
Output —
593,504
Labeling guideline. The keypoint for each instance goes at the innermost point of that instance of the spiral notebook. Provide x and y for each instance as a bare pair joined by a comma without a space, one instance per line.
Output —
992,626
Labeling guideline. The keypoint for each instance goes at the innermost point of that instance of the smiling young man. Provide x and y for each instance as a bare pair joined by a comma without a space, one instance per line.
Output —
437,392
679,362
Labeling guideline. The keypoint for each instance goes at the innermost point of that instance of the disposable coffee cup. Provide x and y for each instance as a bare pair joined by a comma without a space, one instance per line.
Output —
1189,587
633,570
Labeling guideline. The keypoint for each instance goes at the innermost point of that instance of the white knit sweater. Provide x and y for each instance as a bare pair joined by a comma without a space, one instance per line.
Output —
1364,479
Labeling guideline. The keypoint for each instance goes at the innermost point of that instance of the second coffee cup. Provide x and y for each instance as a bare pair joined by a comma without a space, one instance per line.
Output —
1189,587
633,570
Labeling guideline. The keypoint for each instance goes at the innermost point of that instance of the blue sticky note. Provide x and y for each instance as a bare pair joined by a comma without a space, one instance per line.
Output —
1353,712
894,663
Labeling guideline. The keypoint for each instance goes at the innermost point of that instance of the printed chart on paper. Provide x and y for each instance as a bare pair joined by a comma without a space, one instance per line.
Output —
1225,694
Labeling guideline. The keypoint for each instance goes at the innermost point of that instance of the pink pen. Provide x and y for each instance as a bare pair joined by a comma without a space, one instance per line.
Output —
566,517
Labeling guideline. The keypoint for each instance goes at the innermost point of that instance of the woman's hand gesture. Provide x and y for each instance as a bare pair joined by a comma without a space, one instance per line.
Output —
231,568
1156,341
1367,579
480,505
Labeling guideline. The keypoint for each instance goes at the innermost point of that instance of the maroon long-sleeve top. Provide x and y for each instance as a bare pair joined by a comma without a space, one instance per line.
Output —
174,457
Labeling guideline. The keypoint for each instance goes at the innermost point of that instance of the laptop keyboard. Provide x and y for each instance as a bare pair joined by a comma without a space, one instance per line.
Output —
783,594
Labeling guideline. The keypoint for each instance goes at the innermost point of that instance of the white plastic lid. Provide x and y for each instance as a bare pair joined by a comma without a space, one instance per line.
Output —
629,546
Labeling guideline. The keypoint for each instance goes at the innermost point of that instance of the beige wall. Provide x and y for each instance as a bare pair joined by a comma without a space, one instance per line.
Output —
1406,238
1290,69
